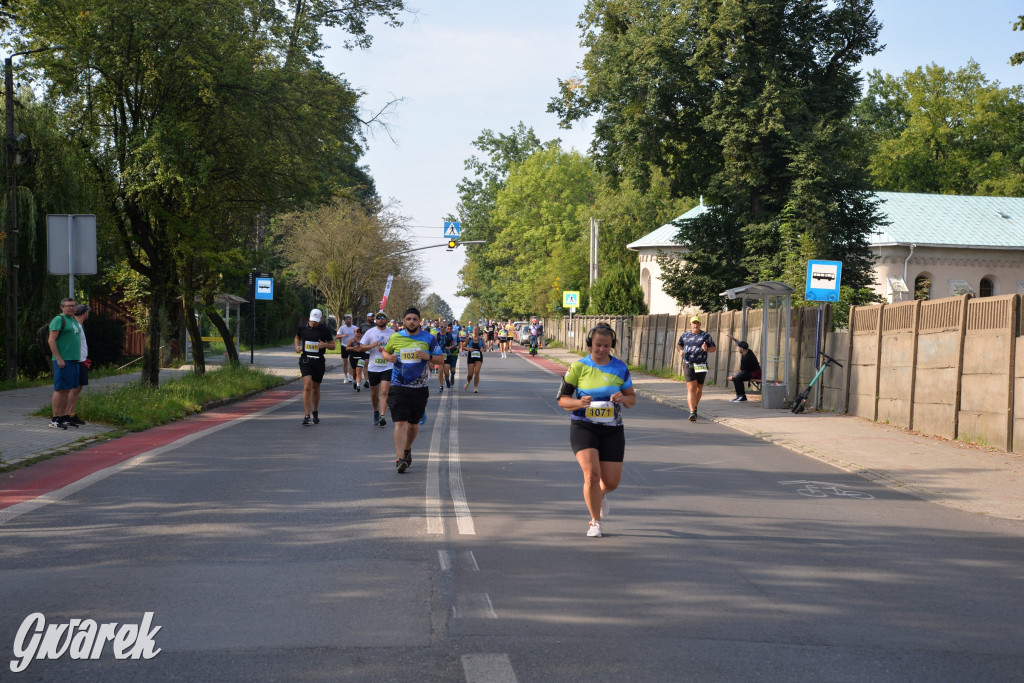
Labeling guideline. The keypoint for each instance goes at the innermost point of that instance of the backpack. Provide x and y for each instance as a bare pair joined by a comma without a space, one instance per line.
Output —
43,337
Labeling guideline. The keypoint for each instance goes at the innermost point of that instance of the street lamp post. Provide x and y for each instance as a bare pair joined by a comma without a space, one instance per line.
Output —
11,242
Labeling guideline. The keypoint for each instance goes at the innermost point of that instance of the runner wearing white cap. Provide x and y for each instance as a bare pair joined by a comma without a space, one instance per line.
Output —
310,341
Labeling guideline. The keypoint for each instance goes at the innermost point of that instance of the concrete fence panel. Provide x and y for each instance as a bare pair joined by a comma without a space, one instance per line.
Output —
897,363
986,395
939,354
865,326
833,395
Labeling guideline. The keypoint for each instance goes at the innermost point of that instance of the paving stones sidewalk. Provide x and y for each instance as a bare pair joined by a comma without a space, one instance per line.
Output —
958,475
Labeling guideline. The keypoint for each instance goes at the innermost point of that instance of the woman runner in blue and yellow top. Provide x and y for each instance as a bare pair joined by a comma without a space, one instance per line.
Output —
595,389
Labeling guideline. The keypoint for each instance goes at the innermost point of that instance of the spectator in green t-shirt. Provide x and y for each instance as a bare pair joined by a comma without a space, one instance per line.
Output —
65,342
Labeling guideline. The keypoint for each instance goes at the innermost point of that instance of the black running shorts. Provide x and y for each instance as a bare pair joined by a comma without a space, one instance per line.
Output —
608,440
690,376
313,366
407,404
376,378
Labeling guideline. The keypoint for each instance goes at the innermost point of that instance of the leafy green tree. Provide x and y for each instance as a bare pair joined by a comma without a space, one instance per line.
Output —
178,102
477,197
942,131
617,292
53,177
434,307
730,98
543,210
346,252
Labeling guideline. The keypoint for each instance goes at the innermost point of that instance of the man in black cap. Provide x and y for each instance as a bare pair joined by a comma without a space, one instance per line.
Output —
749,369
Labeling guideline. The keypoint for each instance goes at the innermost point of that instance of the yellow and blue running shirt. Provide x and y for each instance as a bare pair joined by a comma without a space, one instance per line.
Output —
410,371
599,382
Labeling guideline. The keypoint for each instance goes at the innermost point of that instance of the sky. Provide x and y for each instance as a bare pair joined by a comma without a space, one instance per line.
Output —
463,66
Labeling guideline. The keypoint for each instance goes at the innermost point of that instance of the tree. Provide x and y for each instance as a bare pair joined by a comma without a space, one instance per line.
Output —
477,197
346,252
182,104
942,131
543,211
617,292
728,98
434,307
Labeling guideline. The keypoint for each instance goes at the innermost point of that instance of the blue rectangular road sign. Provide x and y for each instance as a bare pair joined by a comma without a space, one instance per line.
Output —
264,289
452,229
823,280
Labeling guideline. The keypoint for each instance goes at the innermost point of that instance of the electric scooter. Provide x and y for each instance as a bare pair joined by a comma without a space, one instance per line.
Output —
800,403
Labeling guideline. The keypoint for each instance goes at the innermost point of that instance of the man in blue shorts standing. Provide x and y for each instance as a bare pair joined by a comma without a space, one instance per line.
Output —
66,346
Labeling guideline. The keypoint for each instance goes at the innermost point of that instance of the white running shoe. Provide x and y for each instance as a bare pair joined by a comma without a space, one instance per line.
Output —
604,507
595,529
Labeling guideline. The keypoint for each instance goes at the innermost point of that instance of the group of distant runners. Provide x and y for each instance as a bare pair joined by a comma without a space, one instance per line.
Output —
394,360
396,364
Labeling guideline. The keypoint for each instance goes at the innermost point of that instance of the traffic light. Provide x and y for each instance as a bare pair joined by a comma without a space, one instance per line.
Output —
452,244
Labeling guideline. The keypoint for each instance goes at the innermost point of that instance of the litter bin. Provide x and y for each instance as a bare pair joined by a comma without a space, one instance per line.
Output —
773,395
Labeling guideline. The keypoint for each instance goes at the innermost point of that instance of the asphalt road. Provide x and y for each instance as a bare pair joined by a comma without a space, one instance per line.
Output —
271,551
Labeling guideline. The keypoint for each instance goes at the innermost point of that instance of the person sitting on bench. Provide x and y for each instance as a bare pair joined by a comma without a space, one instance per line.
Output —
750,369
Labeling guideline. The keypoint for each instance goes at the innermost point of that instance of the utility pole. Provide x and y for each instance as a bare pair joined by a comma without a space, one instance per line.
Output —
594,225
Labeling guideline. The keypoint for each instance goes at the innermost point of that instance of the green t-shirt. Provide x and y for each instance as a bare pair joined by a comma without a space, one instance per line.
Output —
69,341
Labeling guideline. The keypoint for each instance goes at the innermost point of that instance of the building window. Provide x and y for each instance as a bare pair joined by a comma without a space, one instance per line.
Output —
986,288
645,284
923,287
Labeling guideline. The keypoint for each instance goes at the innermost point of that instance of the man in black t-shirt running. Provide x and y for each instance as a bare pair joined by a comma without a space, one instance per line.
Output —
310,341
694,347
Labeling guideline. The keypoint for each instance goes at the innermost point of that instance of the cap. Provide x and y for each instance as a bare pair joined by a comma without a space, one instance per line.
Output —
695,319
369,315
743,345
381,316
81,308
348,315
316,315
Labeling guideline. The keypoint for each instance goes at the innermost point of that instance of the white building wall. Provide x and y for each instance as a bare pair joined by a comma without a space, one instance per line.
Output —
658,302
1005,268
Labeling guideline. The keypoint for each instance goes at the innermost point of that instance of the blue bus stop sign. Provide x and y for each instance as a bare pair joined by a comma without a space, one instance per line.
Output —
823,280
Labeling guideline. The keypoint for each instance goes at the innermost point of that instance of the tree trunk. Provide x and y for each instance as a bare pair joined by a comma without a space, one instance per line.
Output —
151,355
225,333
198,354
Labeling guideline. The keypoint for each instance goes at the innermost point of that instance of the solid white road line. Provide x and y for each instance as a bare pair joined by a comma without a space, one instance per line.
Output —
488,669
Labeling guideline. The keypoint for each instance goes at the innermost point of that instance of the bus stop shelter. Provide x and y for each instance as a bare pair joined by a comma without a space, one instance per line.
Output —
776,313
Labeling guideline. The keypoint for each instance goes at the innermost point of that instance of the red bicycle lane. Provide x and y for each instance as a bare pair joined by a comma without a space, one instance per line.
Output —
48,476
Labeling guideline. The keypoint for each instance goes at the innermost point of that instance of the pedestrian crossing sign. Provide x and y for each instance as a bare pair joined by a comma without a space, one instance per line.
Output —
452,229
570,299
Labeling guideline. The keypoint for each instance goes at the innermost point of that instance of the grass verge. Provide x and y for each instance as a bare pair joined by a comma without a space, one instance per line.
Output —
135,407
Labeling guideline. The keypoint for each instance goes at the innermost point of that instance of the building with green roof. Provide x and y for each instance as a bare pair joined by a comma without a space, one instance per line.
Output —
939,245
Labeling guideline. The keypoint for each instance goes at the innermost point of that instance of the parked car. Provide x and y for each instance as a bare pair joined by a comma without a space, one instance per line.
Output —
523,333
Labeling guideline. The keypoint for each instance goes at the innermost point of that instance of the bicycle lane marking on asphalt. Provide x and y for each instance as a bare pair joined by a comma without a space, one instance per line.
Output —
52,480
